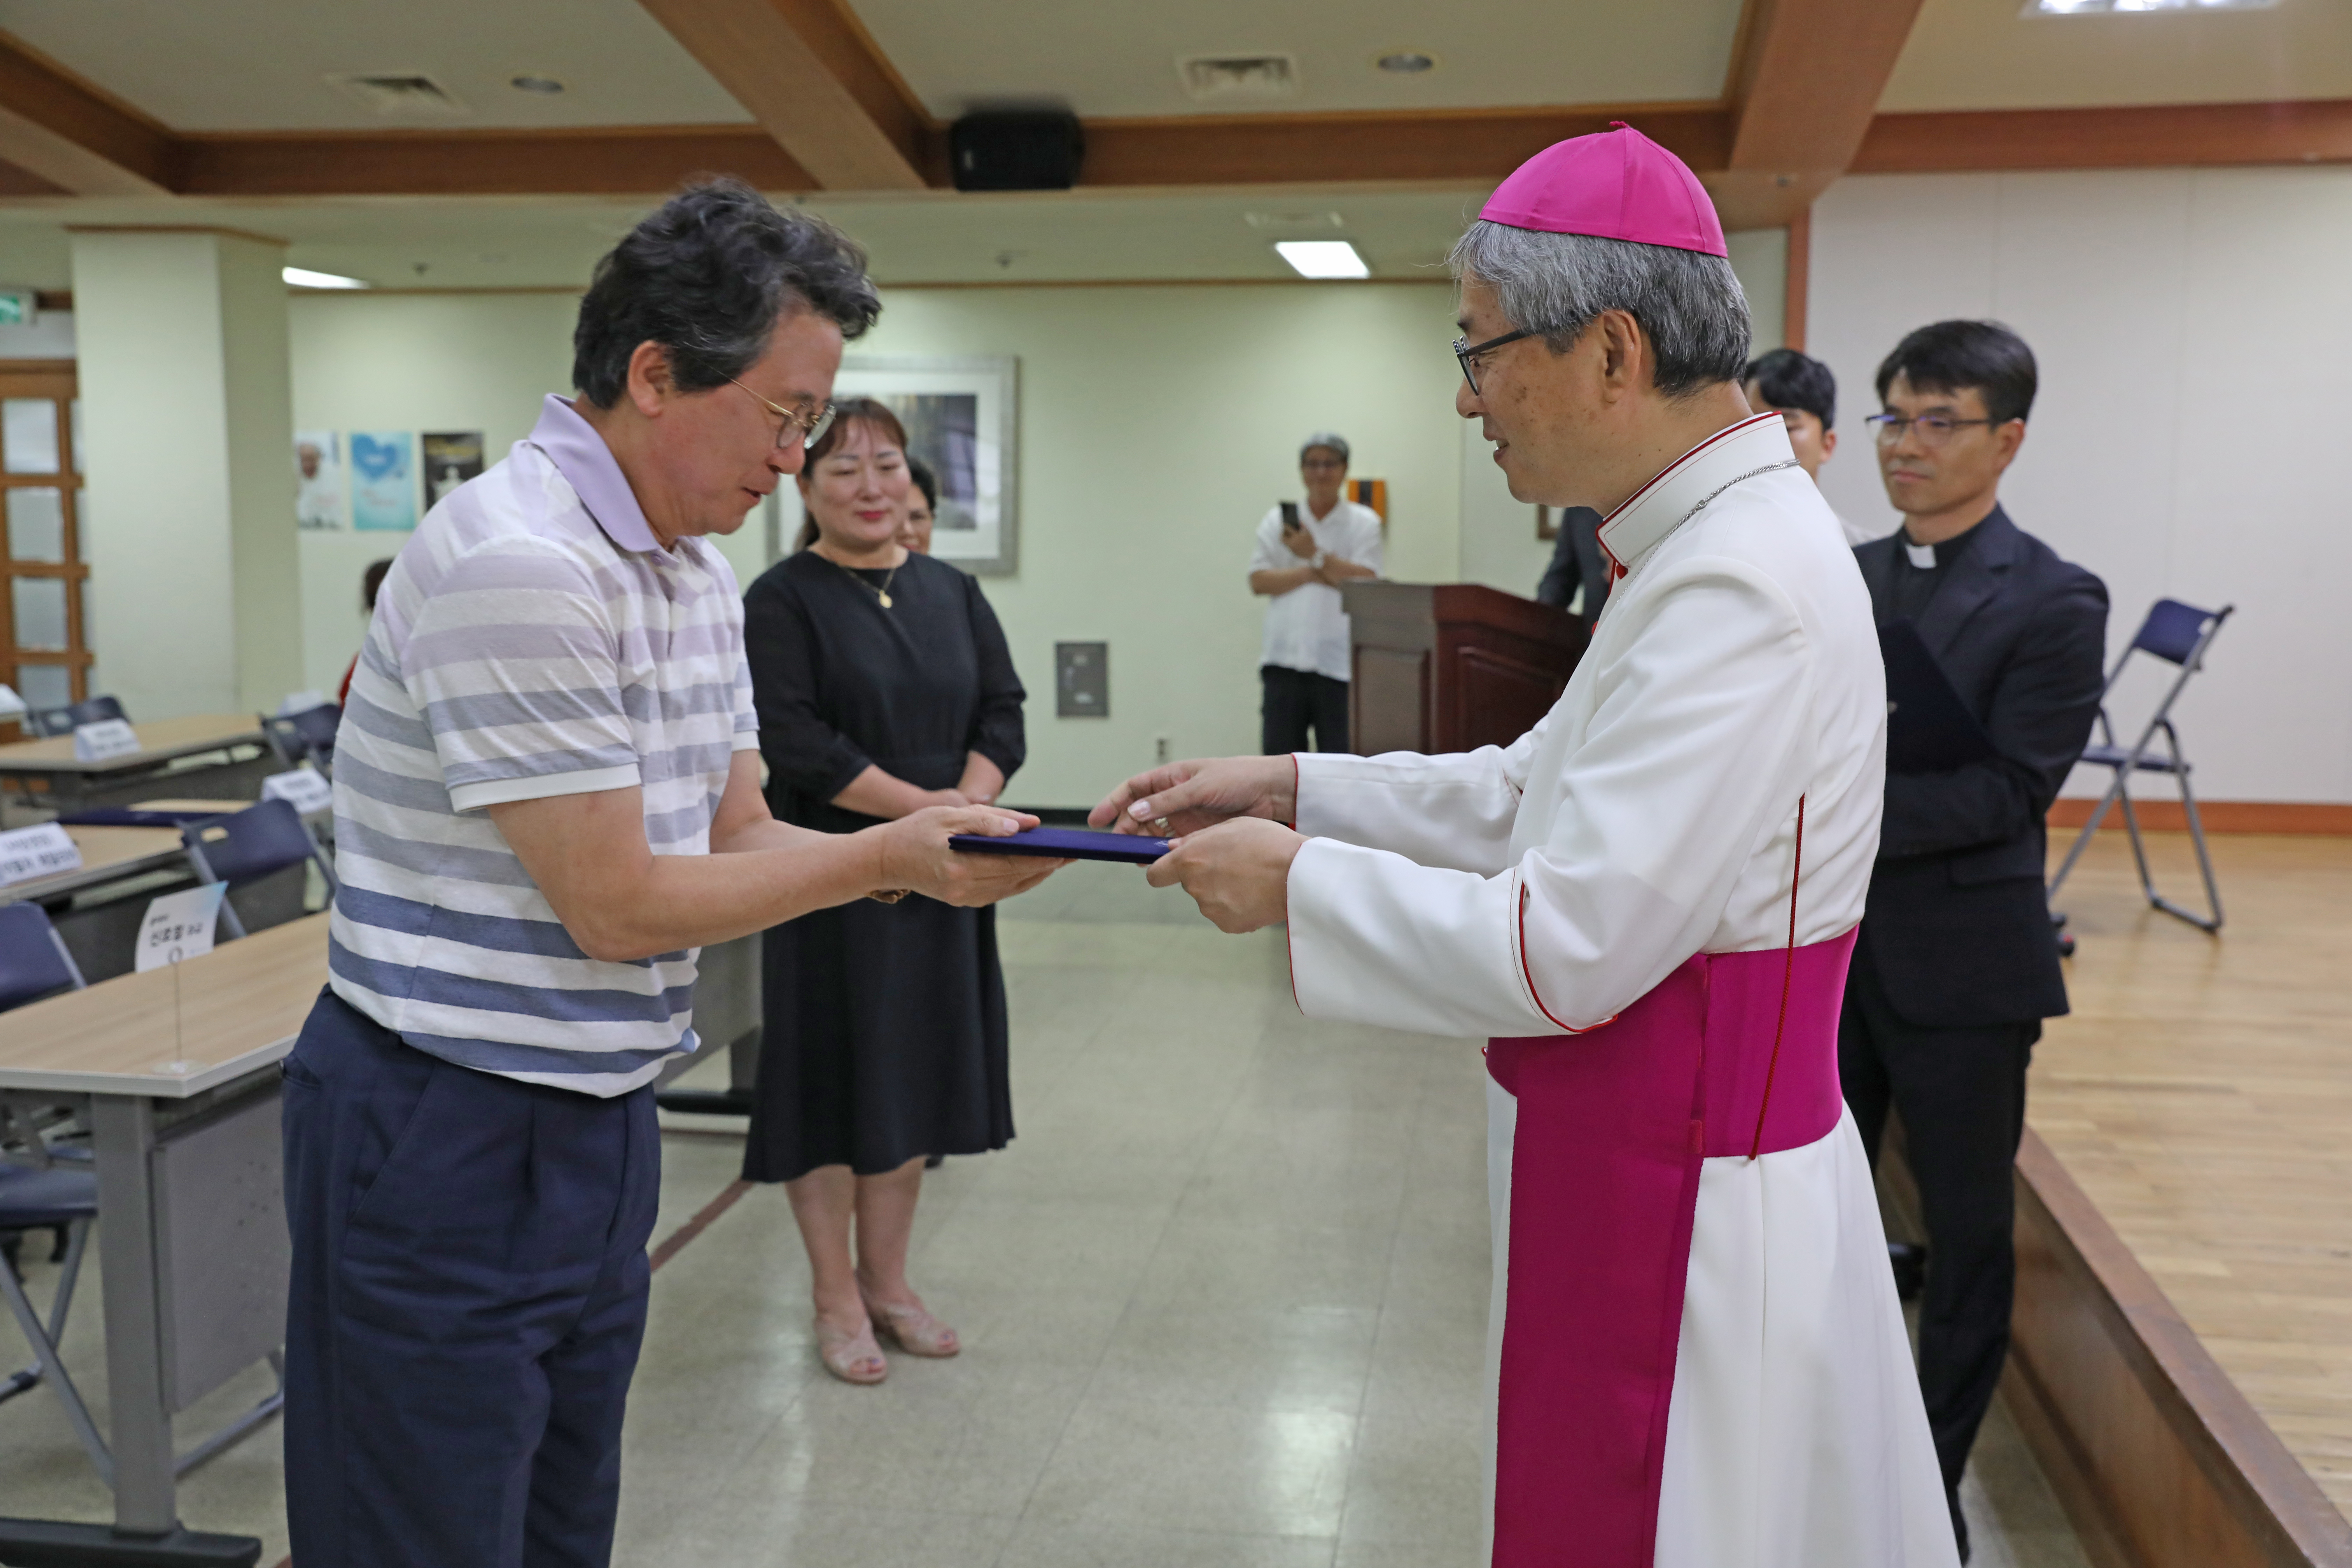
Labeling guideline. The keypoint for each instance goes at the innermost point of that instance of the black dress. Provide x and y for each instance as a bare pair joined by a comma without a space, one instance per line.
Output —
884,1034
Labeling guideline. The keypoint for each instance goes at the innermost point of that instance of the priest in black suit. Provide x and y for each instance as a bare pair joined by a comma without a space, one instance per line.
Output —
1957,964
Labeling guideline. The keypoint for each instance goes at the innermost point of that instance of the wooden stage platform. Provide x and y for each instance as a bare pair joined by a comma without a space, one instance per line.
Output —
2184,1326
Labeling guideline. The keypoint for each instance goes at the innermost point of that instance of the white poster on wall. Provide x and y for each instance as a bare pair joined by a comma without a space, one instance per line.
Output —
319,492
961,415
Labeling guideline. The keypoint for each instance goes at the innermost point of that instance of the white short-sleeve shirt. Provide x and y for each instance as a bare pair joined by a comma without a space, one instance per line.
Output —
1306,628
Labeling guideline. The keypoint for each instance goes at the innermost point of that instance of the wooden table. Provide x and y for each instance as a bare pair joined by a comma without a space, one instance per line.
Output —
176,1070
65,781
107,854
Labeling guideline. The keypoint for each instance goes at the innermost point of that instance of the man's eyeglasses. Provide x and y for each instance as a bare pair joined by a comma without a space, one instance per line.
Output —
1468,353
811,424
1934,429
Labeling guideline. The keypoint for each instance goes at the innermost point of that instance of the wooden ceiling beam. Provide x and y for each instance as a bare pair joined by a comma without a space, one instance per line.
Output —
619,161
1323,149
809,74
1804,88
2195,136
62,131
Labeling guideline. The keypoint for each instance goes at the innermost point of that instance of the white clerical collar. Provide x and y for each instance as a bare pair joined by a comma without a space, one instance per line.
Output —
1740,451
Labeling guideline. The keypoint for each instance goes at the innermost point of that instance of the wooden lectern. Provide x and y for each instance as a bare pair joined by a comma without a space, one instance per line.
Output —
1451,667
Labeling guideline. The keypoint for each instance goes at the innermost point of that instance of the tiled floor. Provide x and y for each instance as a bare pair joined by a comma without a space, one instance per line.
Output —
1221,1303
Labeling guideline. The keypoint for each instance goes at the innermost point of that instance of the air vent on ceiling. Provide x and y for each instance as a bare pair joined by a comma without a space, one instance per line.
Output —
402,93
1295,220
1212,78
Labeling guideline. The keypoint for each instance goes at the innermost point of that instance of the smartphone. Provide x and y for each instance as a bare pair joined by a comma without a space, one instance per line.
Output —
1289,515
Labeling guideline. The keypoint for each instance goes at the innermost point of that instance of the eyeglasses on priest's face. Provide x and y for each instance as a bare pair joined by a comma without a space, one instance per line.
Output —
1935,430
803,425
1469,353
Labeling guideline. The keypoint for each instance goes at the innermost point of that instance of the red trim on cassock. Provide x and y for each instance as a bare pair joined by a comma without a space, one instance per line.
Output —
1530,975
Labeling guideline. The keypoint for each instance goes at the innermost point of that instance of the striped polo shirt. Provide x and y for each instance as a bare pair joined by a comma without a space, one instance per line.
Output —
533,639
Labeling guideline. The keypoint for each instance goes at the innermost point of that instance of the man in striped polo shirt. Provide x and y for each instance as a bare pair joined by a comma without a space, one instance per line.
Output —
546,800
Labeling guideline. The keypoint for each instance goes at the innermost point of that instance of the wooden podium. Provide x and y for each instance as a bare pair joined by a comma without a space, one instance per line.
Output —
1451,667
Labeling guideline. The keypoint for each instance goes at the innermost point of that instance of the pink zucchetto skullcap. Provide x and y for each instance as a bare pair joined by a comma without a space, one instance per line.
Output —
1617,184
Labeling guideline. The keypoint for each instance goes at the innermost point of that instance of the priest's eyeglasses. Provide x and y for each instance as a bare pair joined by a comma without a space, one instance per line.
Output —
810,425
1467,353
1934,429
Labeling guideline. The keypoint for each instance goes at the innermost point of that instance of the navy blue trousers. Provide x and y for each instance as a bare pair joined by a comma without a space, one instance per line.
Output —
467,1299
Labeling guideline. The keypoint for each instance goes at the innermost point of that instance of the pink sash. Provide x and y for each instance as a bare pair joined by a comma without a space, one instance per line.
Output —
1604,1182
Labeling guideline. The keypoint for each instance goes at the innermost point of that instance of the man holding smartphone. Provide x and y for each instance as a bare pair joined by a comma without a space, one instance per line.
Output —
1304,554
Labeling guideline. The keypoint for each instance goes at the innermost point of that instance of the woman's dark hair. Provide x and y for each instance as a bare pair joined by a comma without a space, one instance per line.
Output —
372,582
707,277
1952,356
847,411
926,481
1787,378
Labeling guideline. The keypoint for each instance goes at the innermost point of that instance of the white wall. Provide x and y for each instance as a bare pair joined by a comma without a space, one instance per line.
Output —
2192,329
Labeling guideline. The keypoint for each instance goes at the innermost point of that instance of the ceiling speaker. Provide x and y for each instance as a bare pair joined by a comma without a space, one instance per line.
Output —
1017,150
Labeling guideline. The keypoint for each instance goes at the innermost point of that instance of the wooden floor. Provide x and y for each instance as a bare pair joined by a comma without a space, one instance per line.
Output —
2201,1094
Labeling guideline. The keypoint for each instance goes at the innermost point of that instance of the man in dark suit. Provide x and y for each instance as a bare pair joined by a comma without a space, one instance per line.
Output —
1577,560
1957,964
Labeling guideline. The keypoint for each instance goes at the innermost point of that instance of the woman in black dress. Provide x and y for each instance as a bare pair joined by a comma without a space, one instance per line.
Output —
884,686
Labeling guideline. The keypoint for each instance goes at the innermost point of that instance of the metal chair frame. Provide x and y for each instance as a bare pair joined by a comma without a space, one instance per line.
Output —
2139,759
192,836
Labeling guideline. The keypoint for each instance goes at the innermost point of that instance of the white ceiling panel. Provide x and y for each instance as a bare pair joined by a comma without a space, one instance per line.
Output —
1983,54
1113,58
263,65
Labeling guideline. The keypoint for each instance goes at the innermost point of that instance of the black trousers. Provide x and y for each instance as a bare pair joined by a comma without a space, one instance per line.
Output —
1962,1096
465,1304
1297,701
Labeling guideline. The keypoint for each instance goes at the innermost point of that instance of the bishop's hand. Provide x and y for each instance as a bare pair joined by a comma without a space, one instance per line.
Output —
1185,797
1238,872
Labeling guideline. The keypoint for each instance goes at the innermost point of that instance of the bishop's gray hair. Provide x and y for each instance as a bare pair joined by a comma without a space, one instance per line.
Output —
1690,303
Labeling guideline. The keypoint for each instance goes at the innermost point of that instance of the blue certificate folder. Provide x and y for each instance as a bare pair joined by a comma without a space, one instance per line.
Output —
1929,729
1066,844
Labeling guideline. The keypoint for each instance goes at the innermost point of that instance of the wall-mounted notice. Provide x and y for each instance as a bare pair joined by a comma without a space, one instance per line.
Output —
451,458
39,851
383,480
319,490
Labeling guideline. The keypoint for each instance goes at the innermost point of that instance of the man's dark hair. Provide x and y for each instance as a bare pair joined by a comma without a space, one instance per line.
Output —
372,582
1787,378
926,481
1952,356
707,277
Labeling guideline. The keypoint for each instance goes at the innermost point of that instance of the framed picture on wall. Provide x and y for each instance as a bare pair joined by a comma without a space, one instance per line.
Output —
451,458
383,480
960,415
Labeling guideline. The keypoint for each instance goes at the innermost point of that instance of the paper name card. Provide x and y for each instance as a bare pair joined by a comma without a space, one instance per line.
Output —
302,789
11,705
180,926
106,739
42,851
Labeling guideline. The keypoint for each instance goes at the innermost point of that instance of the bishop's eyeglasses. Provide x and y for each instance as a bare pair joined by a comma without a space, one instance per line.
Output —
1466,353
811,424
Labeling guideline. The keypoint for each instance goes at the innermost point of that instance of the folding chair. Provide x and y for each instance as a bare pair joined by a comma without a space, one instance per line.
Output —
2178,634
63,1199
249,844
63,721
308,734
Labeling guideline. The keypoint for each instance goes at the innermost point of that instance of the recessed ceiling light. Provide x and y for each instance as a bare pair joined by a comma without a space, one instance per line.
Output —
545,86
1322,258
2112,7
1407,62
304,277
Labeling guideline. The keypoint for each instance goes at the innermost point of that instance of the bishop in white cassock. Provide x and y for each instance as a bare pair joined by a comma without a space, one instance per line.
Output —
1646,904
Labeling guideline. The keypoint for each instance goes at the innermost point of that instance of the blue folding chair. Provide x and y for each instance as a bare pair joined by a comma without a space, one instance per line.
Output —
61,1198
307,735
2178,634
63,721
249,844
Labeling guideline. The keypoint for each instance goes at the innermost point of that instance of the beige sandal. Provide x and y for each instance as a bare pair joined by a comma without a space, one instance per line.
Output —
913,1330
851,1357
